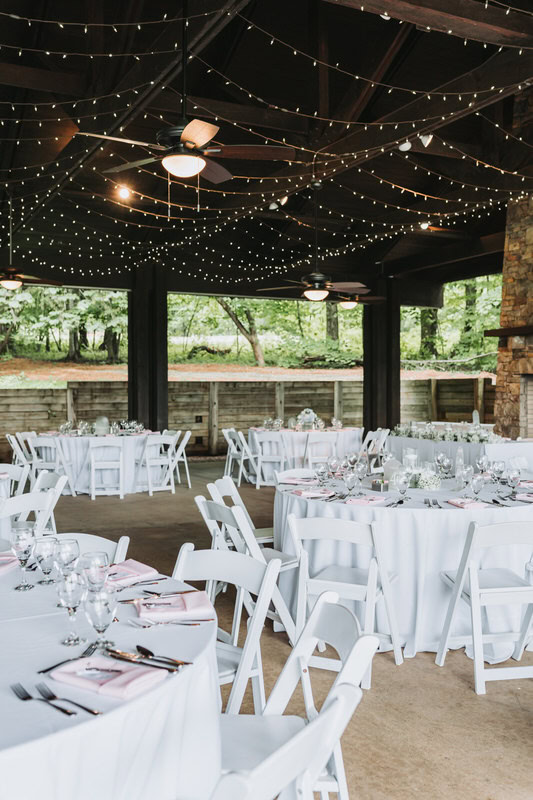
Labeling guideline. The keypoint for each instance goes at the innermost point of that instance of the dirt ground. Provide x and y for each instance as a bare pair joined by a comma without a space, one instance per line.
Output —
47,371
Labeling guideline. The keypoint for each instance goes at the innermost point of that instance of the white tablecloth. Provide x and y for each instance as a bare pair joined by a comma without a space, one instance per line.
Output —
164,744
427,449
76,450
348,441
5,524
418,544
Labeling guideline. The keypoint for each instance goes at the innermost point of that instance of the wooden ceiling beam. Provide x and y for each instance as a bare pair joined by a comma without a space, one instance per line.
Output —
444,256
42,80
467,19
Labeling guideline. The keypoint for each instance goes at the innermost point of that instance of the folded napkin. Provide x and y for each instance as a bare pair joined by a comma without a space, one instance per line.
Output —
467,502
525,497
367,500
300,481
314,493
125,680
190,605
8,563
522,484
4,476
129,572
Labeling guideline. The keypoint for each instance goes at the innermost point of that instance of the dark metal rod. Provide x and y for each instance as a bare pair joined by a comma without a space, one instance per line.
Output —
184,54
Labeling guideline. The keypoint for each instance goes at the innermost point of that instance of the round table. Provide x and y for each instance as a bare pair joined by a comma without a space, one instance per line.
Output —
418,543
164,743
348,441
427,449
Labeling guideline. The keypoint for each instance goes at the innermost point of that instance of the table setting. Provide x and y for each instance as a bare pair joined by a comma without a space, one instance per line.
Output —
108,673
422,532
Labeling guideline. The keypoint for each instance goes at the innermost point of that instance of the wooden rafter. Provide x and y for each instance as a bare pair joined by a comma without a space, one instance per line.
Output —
42,80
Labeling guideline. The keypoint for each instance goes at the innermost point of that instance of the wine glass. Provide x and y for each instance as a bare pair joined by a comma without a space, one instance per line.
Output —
498,467
465,475
402,481
95,567
350,481
360,473
345,466
352,459
333,465
100,607
71,590
446,464
482,462
513,479
22,541
477,483
321,473
66,553
44,554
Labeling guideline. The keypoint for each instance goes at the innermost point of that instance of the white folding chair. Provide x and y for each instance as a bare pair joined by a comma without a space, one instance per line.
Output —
480,588
88,542
292,770
319,446
23,438
236,665
271,451
106,456
225,487
50,480
180,456
157,461
229,528
18,475
47,453
232,454
239,454
40,504
367,585
373,447
19,457
248,740
301,472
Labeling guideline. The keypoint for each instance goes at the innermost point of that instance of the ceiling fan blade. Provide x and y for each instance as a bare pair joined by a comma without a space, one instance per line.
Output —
215,173
257,152
199,132
132,164
34,280
277,289
351,287
120,139
373,299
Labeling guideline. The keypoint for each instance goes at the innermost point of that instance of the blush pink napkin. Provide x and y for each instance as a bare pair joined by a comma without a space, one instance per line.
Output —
466,502
4,476
129,572
526,484
317,494
132,680
525,497
190,605
300,481
8,563
368,500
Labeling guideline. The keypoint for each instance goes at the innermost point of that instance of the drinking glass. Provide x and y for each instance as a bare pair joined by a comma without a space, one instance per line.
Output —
71,590
446,465
22,541
345,465
360,473
465,475
352,459
100,610
402,481
350,481
95,567
498,468
477,483
333,465
321,473
66,554
482,463
513,479
44,554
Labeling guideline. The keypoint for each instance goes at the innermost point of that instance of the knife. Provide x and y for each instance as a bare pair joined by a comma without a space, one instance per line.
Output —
142,662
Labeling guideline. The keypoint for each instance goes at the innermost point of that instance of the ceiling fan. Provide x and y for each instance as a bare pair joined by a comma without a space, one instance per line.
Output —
183,149
316,285
10,278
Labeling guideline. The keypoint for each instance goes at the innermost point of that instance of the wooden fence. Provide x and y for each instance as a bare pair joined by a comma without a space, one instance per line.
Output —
205,407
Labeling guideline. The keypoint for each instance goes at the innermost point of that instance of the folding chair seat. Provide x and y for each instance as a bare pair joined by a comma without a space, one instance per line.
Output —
366,585
225,488
108,457
20,507
47,453
481,588
46,481
237,665
19,457
271,451
18,475
179,456
157,461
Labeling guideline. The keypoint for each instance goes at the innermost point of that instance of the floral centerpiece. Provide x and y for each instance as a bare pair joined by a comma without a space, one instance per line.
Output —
473,434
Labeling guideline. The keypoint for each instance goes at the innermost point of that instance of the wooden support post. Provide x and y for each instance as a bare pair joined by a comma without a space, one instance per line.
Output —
71,408
480,405
434,399
337,400
212,423
148,347
381,360
280,400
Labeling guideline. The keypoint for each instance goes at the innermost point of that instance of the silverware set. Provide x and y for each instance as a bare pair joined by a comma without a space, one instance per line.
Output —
432,503
86,653
148,623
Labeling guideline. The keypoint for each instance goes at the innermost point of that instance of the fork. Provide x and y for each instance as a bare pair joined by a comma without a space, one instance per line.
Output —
86,653
48,694
22,694
436,503
427,502
136,623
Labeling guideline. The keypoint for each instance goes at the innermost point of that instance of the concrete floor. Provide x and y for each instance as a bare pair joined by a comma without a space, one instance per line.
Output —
420,731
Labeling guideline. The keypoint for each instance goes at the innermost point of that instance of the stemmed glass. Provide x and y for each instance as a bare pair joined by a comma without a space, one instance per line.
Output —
350,481
100,610
95,567
403,479
513,479
321,473
44,554
333,465
66,554
498,468
482,462
352,459
22,541
477,483
360,473
71,590
465,475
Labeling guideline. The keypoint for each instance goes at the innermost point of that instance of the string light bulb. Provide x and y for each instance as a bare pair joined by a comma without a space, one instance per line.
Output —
424,225
123,192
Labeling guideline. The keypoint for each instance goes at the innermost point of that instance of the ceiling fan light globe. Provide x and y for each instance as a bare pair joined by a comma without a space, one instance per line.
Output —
316,294
182,165
348,304
10,283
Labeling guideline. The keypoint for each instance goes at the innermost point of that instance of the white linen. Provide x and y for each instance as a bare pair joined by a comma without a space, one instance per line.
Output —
164,743
5,524
427,449
348,441
418,543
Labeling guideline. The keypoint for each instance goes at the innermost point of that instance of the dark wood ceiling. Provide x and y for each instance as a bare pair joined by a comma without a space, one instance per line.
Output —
275,72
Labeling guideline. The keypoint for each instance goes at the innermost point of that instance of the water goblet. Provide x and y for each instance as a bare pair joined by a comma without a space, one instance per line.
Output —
321,473
360,470
66,554
95,567
44,554
352,459
465,475
482,463
350,481
22,541
100,607
498,467
477,483
333,465
402,481
71,591
513,479
446,464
